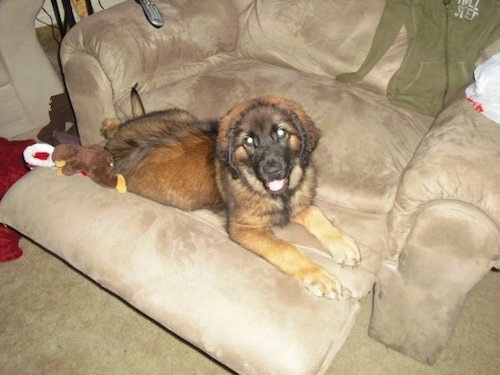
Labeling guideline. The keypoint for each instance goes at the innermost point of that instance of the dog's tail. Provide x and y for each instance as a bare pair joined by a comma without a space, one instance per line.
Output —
136,103
110,127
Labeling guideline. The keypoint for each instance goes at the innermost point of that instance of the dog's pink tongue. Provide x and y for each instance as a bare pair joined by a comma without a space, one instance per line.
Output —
276,185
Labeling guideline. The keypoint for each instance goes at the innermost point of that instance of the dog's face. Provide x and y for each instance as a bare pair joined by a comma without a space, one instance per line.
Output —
267,143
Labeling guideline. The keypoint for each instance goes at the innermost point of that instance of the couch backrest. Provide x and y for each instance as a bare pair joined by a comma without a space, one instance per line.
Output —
317,36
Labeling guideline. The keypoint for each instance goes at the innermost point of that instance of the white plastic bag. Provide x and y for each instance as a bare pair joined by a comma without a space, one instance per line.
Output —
484,93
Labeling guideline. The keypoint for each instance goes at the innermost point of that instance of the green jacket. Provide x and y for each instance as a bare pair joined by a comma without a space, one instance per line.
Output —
445,39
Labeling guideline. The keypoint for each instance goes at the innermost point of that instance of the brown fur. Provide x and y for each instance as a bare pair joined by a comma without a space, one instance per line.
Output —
255,163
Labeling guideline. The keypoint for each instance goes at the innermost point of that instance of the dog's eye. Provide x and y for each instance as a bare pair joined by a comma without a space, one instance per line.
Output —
280,133
249,141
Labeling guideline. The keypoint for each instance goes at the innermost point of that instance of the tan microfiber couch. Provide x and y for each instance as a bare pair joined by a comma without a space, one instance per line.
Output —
420,195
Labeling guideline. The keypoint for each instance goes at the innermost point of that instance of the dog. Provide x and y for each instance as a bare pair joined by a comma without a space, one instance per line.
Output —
254,164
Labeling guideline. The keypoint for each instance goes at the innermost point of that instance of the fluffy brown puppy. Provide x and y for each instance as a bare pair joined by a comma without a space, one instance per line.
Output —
255,163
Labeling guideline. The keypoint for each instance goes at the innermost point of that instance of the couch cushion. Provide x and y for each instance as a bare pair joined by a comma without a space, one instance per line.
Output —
181,270
366,141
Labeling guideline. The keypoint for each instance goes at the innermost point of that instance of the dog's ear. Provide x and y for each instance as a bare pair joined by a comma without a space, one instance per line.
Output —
225,151
231,163
228,134
226,139
309,135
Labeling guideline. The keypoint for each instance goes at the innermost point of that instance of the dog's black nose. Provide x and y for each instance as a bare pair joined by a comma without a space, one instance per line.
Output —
272,168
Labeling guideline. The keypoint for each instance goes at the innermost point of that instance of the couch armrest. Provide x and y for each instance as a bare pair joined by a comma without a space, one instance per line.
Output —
105,55
457,161
444,233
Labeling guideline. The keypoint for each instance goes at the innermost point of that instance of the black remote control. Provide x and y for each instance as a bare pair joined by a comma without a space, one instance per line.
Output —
152,12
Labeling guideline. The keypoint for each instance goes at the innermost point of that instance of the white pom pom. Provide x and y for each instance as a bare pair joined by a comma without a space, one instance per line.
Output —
39,155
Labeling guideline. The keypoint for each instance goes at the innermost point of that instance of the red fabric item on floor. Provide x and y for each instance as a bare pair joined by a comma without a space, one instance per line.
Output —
9,244
12,168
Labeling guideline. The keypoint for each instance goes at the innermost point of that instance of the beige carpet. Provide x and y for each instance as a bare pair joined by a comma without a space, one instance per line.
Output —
53,320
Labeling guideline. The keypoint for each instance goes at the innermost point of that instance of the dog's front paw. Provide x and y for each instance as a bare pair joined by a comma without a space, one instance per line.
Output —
321,283
344,251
